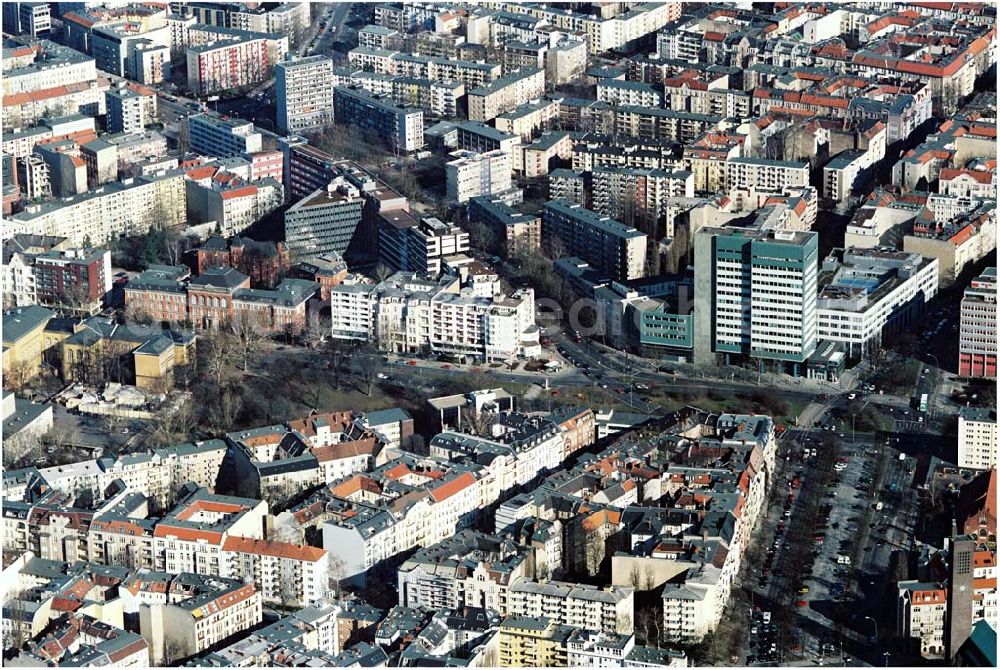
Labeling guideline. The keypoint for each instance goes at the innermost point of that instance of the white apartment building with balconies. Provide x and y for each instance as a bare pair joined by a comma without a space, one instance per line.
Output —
473,174
506,93
304,89
763,174
977,438
580,605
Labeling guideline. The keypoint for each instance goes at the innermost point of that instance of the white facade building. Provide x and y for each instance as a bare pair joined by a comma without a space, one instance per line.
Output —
471,174
977,438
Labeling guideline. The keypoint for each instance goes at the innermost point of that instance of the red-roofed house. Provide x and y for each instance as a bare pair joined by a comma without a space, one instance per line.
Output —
289,574
967,183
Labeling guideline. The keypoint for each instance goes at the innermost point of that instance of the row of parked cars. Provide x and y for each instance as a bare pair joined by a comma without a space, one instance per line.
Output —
763,638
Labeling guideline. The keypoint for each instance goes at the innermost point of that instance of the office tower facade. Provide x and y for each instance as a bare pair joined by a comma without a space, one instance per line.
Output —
755,295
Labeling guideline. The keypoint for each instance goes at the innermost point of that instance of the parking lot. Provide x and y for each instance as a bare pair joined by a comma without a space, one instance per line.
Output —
828,544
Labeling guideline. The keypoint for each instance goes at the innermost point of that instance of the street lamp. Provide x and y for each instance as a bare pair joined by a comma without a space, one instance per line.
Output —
868,618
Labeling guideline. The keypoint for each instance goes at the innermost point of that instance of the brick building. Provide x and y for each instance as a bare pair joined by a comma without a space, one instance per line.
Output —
264,262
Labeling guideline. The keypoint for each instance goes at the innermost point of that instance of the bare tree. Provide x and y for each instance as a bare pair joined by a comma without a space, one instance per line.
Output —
382,272
287,591
337,569
476,423
20,450
250,333
117,357
317,330
635,576
17,631
18,374
553,247
215,356
77,299
230,404
648,579
593,552
369,365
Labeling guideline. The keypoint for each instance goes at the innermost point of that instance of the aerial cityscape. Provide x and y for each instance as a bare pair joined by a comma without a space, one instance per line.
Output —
499,334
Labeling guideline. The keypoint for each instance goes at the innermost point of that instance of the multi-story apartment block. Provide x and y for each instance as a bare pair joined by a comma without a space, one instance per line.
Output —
384,61
228,200
130,109
222,136
872,293
755,294
267,163
438,98
967,183
921,613
611,247
842,176
411,246
119,209
525,119
178,630
506,93
468,570
763,174
977,344
521,233
27,18
578,605
78,279
221,65
603,34
527,641
376,37
598,649
620,92
707,158
480,138
304,90
285,19
955,240
471,174
42,67
401,128
410,313
67,171
19,254
284,573
305,168
638,197
977,438
33,177
128,49
519,55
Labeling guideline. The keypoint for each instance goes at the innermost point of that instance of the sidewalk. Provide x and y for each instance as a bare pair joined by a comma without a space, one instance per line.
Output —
847,381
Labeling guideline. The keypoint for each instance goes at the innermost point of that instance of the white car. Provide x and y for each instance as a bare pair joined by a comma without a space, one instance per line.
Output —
382,375
852,396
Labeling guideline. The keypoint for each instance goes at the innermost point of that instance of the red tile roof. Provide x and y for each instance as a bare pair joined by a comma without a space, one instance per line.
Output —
246,545
240,192
164,529
947,174
456,485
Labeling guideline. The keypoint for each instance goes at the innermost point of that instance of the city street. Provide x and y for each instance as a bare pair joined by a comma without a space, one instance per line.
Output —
827,549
